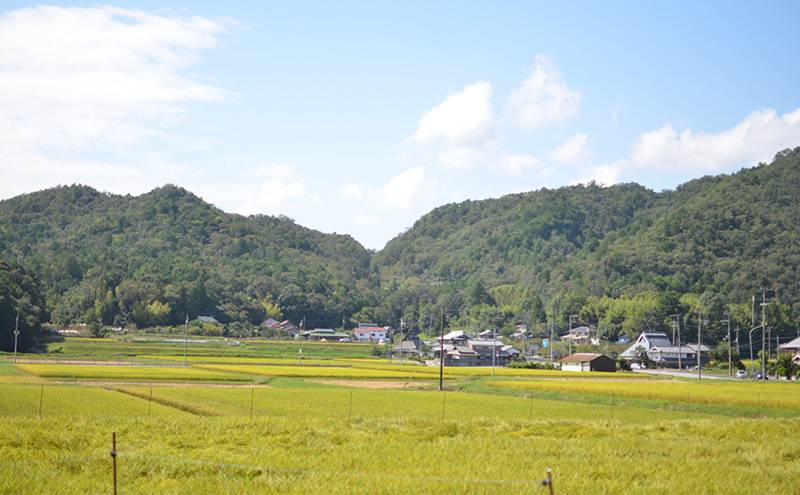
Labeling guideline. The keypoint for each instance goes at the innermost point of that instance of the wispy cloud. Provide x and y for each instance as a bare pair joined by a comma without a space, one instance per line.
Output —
573,151
543,98
100,78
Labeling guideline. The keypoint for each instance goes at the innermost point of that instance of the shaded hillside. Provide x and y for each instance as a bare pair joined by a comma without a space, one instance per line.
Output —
152,259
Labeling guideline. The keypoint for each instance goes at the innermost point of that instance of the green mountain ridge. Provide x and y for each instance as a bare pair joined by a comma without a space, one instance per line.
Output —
622,257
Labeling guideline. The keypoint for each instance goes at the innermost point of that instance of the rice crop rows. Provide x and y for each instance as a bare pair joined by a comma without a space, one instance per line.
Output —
396,373
101,372
747,394
389,456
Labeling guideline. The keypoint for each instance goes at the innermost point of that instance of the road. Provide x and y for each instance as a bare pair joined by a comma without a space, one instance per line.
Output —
685,374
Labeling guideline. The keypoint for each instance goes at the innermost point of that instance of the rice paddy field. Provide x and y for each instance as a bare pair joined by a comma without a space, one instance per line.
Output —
360,426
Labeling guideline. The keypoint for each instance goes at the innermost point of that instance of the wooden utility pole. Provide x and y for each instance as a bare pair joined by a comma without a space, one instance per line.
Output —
441,350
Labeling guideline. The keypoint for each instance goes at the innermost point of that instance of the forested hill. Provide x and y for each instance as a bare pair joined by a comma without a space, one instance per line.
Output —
724,235
152,259
621,258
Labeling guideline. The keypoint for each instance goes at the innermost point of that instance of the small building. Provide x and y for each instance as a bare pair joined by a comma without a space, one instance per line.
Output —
323,335
791,347
661,351
410,346
370,332
581,335
209,319
586,361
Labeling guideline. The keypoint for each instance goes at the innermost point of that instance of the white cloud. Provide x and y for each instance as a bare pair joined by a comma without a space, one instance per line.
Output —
573,151
404,189
543,97
755,139
464,117
275,189
281,171
353,191
100,78
363,219
604,175
517,164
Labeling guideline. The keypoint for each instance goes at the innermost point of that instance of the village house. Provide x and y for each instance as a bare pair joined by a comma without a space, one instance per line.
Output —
461,350
324,335
370,332
581,335
585,361
661,351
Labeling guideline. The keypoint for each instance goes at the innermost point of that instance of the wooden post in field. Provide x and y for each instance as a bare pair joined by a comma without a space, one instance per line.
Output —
114,457
444,403
150,402
252,393
41,399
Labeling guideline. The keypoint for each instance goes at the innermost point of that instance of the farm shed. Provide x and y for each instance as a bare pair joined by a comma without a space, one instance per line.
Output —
585,361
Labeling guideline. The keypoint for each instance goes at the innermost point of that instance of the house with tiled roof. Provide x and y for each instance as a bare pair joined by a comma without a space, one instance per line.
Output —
663,353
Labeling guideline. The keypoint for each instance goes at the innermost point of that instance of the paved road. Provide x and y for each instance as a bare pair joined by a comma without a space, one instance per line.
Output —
685,374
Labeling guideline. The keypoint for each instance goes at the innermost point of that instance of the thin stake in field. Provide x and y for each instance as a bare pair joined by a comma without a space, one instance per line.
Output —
350,414
114,457
41,399
252,394
444,404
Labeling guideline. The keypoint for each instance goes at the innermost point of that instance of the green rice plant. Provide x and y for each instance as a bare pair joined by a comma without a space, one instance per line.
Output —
723,392
101,372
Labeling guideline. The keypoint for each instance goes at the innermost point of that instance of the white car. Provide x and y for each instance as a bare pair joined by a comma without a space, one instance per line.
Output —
741,374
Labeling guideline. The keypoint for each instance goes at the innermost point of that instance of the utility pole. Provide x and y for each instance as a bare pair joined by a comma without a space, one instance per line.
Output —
675,323
300,343
441,349
699,325
401,341
730,362
763,330
16,335
186,339
570,332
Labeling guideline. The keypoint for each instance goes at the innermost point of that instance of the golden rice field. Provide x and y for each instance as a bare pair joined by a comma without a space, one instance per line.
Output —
104,372
377,442
391,373
203,437
777,395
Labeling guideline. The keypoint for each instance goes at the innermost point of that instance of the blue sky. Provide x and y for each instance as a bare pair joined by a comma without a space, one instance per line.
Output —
360,117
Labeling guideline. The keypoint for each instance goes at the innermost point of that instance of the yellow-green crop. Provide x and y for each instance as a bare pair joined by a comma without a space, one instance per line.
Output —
103,372
739,393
